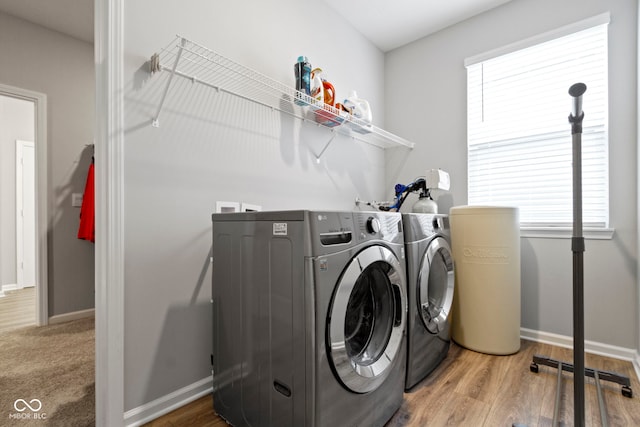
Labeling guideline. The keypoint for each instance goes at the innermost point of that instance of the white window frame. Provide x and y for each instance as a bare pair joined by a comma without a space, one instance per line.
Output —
555,230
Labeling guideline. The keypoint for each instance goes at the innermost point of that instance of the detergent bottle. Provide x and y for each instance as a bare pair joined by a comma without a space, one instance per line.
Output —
321,90
317,89
359,109
302,70
329,93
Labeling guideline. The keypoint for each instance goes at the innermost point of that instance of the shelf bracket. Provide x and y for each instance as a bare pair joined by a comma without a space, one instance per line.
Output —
333,135
156,123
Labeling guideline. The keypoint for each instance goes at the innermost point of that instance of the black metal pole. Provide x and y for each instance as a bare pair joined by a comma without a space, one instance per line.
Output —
577,247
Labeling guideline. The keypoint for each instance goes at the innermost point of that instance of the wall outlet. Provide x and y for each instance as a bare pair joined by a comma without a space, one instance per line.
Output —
76,200
227,207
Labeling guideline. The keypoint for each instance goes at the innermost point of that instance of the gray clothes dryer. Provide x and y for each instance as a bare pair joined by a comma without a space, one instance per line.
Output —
309,318
430,281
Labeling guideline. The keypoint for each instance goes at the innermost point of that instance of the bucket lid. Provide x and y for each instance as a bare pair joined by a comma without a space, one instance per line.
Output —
475,210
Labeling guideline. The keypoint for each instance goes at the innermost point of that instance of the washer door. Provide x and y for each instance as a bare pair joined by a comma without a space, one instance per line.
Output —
435,285
367,319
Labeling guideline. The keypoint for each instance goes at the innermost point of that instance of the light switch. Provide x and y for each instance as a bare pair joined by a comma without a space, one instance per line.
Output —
76,200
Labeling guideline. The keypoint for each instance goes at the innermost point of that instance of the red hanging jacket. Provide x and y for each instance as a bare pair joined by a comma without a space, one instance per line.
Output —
87,230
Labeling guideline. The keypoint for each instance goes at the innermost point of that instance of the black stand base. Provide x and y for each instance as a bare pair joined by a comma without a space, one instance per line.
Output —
593,373
602,375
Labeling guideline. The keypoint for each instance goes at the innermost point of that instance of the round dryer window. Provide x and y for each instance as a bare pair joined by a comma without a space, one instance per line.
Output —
367,319
435,289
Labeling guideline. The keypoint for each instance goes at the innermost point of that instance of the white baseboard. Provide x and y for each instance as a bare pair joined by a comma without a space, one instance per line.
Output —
74,315
10,287
636,364
592,347
165,404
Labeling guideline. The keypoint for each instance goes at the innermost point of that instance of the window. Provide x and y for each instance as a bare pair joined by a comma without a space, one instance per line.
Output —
519,137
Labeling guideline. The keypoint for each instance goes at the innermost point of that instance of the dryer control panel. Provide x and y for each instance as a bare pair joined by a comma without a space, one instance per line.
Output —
378,225
373,225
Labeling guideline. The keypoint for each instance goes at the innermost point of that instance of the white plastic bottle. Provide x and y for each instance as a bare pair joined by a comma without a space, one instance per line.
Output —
317,89
359,108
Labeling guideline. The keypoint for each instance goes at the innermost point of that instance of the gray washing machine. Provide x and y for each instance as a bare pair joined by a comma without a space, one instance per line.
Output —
430,281
309,318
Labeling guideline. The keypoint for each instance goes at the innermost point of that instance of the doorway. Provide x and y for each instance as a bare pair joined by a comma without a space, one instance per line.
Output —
23,239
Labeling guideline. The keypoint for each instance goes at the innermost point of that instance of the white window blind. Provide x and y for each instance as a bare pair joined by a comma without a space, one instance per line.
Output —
519,137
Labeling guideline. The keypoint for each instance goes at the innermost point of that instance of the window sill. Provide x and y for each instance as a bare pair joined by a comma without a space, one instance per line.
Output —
566,233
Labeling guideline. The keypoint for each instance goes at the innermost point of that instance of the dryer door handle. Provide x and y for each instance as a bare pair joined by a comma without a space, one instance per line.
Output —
397,299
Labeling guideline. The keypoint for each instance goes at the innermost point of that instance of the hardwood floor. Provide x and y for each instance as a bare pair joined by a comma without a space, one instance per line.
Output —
474,389
18,309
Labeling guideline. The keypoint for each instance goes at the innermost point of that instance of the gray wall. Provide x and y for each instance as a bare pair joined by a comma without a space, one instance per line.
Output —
62,68
213,147
428,80
17,118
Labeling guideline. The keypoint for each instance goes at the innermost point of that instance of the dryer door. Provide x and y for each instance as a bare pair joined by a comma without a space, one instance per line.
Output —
435,285
367,318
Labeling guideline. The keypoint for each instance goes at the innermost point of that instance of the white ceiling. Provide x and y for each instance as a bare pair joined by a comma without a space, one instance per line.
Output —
388,24
391,24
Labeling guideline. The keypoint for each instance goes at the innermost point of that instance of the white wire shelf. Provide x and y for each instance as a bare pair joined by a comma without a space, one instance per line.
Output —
187,59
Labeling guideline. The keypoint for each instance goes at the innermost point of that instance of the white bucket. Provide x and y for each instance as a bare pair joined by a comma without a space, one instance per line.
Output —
485,242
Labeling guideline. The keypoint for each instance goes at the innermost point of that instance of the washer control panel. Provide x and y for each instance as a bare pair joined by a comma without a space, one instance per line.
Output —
332,230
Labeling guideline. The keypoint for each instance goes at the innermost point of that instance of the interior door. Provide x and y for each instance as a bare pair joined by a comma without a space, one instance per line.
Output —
368,315
25,214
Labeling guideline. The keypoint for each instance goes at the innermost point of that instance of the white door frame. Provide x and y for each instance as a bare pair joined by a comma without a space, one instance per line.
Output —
109,192
21,244
42,211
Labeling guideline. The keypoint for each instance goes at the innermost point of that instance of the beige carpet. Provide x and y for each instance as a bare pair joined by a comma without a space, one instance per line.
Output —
47,375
